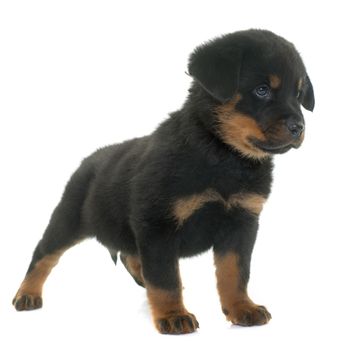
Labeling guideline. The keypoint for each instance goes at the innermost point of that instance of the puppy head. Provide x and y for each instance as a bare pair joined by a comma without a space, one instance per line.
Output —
258,82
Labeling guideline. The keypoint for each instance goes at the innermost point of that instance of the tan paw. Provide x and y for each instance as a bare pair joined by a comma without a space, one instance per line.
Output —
248,314
177,324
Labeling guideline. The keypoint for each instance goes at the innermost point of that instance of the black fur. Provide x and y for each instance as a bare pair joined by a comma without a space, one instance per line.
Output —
124,194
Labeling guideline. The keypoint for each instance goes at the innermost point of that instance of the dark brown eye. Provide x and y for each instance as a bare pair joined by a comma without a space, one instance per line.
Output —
263,91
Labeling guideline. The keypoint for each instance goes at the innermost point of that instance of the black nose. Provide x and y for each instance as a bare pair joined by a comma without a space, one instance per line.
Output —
295,128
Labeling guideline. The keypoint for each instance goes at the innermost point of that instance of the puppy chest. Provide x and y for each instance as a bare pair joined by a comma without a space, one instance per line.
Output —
200,216
185,207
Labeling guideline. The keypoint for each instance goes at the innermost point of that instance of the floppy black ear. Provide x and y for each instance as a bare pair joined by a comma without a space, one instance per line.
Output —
216,71
308,98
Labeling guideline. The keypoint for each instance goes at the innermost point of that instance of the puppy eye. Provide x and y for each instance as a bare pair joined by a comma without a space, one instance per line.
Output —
263,91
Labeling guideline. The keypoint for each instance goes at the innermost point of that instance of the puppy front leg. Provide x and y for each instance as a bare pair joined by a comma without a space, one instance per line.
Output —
164,289
235,302
232,260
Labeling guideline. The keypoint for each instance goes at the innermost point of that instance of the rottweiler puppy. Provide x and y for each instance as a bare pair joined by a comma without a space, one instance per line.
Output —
199,181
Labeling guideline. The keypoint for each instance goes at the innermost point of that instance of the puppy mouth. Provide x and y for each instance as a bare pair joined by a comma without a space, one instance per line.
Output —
275,149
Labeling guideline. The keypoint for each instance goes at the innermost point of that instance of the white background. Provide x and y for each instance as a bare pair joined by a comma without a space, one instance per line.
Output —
77,75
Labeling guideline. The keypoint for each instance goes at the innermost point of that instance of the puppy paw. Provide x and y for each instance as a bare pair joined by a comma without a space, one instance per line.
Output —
177,324
27,302
248,314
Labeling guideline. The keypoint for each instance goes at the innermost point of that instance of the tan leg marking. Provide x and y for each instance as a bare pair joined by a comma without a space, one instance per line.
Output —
236,305
134,267
169,313
29,294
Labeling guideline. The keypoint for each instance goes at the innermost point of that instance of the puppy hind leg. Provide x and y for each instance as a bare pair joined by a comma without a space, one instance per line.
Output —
63,232
29,294
45,257
133,265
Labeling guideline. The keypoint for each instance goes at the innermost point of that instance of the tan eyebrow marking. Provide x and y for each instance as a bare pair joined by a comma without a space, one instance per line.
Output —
275,81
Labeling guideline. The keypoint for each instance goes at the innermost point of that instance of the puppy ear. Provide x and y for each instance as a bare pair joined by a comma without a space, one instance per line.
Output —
217,72
308,98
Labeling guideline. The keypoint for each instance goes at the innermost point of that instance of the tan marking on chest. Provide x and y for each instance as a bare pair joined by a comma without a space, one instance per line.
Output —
250,201
185,207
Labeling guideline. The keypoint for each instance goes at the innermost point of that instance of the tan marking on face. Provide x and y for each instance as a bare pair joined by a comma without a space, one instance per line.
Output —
237,129
275,81
230,106
35,279
185,207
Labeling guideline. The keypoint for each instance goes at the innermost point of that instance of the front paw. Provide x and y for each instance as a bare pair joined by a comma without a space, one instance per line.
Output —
177,324
27,302
247,313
